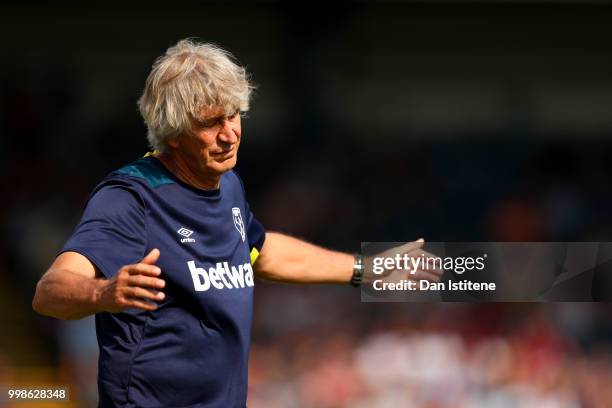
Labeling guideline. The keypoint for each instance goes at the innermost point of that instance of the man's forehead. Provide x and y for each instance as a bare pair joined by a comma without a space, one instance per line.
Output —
212,112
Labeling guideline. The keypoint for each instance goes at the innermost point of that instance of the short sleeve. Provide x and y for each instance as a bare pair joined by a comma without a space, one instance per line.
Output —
256,233
112,231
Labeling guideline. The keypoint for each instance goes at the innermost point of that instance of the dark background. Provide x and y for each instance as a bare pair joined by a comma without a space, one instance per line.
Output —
452,121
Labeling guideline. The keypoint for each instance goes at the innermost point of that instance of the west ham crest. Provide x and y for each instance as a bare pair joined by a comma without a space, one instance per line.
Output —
238,223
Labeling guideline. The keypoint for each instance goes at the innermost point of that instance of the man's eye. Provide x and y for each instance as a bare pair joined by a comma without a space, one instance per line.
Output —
208,123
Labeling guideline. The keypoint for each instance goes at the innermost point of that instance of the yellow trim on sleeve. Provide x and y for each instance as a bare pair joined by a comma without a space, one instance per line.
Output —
254,255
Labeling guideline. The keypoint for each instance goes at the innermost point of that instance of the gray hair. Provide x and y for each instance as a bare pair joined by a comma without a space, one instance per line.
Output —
191,76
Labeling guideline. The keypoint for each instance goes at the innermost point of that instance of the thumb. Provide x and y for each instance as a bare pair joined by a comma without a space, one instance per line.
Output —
151,257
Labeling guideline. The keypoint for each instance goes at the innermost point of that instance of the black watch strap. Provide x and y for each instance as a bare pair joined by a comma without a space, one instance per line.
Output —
357,277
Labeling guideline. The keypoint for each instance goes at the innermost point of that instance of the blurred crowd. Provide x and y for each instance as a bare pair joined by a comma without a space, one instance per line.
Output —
458,356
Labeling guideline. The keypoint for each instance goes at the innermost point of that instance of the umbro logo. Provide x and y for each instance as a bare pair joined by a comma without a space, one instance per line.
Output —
185,233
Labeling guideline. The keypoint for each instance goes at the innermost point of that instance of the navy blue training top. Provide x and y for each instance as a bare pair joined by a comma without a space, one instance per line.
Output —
193,350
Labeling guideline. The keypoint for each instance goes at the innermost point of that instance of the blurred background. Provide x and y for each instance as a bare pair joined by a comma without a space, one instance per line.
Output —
372,121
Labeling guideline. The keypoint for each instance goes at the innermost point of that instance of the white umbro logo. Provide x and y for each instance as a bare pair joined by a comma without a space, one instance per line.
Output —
186,233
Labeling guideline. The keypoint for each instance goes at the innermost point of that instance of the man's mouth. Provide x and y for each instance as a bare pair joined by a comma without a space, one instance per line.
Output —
223,155
222,152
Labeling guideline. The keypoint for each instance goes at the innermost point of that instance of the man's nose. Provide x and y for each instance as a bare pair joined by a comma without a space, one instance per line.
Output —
227,133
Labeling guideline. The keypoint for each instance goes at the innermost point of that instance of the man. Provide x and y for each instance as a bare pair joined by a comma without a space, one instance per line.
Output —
167,249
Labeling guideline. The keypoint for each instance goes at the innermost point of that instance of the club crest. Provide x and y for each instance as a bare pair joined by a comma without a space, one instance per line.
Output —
238,223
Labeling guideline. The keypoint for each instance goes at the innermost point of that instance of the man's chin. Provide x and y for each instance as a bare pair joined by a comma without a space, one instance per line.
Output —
222,166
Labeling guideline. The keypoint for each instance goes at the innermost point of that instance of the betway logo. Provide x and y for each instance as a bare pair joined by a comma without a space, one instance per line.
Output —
222,276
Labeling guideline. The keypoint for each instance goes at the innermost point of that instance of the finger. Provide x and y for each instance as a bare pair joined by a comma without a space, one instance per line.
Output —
430,262
430,266
151,257
402,249
424,274
143,269
145,281
411,246
420,273
140,304
135,292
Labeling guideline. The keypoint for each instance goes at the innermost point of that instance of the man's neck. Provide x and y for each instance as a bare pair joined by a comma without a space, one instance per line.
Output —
177,166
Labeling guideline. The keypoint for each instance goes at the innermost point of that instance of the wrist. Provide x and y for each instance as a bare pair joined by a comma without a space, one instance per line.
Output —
97,295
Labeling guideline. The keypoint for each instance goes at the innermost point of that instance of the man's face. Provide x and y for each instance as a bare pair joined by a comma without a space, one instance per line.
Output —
212,148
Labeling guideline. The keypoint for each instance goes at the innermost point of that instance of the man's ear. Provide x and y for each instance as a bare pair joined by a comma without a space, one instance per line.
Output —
173,142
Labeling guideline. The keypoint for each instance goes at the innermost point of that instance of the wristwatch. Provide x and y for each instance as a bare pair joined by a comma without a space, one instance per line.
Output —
357,277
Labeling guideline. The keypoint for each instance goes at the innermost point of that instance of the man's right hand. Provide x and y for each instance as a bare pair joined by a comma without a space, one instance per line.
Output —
134,286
